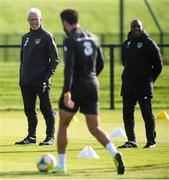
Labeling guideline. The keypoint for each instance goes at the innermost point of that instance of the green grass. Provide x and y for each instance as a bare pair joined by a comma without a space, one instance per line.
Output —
10,95
18,162
98,16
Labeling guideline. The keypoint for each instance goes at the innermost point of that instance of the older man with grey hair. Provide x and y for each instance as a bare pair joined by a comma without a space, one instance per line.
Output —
39,59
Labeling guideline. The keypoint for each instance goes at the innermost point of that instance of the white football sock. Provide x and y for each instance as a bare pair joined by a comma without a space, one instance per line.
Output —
111,148
61,160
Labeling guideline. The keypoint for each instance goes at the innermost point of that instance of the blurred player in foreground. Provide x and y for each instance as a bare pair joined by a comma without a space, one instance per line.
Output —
83,63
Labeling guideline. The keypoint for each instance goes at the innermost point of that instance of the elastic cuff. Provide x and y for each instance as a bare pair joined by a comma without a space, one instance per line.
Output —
66,94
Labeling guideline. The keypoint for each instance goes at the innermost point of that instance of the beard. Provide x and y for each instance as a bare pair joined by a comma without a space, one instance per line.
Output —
136,34
66,32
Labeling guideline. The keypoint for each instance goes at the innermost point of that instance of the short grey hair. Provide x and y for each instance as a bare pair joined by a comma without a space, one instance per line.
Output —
34,10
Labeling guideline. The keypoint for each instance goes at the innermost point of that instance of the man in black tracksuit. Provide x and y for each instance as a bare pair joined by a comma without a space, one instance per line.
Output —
142,65
39,59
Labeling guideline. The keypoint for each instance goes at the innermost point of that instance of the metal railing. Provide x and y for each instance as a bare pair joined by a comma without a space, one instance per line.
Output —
112,58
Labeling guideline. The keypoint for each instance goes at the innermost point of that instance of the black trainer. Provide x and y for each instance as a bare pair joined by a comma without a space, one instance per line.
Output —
47,141
128,145
150,145
119,163
28,140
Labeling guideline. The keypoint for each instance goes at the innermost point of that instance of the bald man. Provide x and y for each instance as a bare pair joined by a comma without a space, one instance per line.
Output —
142,65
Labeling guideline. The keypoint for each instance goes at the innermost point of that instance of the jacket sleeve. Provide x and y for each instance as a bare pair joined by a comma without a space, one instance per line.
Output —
100,61
155,58
53,55
69,59
21,51
21,56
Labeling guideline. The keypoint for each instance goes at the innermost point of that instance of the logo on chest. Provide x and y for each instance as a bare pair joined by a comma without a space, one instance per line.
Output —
37,41
139,44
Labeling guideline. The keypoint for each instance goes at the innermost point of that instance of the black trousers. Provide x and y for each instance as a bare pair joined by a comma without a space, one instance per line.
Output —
29,95
145,104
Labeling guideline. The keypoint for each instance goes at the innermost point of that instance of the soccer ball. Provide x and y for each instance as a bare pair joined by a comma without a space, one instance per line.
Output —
45,162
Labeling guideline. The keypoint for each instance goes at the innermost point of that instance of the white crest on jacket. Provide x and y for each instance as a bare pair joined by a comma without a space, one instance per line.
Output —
139,44
37,41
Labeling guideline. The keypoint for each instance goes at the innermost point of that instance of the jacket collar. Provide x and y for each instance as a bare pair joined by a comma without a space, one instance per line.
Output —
34,32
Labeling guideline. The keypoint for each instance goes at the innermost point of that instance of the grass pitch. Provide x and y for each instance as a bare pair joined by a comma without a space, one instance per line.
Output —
18,162
11,99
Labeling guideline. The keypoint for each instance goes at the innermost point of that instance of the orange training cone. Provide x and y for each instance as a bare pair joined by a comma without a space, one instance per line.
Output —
163,115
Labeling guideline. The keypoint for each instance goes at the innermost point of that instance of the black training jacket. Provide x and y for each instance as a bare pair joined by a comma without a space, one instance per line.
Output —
83,57
38,56
142,65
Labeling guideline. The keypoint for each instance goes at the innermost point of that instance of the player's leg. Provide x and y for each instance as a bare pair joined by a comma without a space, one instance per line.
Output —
62,140
90,107
94,128
65,114
62,137
102,137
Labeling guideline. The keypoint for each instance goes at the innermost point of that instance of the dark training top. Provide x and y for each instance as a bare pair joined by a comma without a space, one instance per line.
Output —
83,57
38,56
142,65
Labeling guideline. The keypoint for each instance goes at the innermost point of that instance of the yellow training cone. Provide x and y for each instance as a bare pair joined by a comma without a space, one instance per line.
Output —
75,118
163,115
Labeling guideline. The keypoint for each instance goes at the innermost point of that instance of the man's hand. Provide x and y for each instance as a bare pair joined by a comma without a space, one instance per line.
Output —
68,101
44,86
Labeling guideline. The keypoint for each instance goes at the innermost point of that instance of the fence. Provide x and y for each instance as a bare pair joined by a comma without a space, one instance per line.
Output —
110,79
163,84
108,38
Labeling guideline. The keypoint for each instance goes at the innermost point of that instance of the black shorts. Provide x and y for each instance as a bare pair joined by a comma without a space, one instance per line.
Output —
85,95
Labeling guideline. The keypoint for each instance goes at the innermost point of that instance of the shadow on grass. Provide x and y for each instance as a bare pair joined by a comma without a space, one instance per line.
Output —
34,150
85,173
150,166
73,174
26,174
